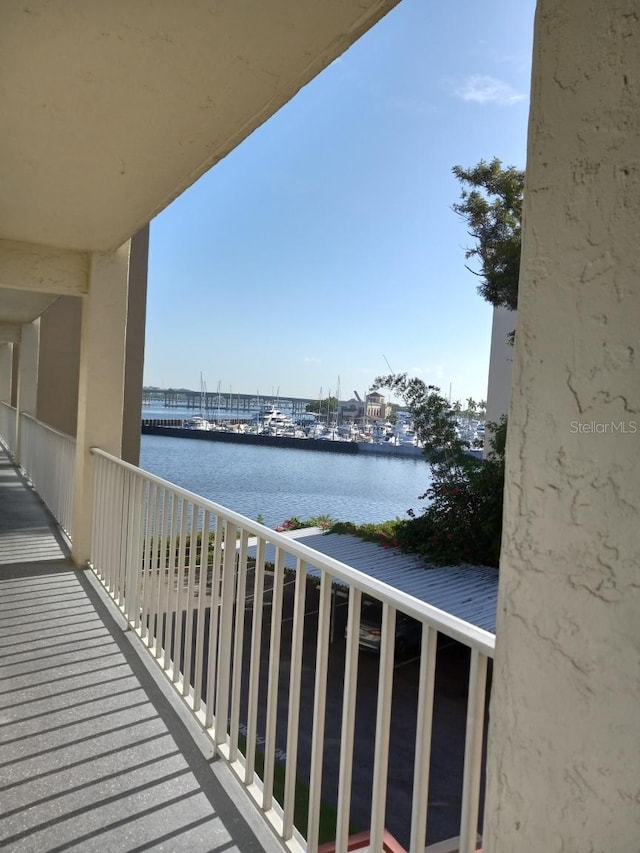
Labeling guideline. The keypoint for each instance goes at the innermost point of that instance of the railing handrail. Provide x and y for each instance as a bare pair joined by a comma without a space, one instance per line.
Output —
64,435
456,628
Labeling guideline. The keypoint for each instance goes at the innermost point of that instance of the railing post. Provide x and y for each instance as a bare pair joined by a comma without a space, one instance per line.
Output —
383,726
319,711
350,692
295,681
426,695
473,752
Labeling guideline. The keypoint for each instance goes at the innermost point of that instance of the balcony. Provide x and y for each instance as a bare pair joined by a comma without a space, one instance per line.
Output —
191,690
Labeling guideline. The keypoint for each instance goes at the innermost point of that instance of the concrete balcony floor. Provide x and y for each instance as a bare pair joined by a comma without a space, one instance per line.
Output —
96,753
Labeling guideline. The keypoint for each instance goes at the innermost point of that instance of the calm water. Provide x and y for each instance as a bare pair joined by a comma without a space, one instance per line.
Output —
278,483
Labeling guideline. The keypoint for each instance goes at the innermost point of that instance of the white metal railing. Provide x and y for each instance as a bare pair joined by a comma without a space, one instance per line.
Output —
8,426
47,457
209,593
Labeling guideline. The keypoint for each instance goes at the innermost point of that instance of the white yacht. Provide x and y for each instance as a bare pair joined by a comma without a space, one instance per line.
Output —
272,421
197,422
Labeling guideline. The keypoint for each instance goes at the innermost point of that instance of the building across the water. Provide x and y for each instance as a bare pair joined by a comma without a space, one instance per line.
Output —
374,407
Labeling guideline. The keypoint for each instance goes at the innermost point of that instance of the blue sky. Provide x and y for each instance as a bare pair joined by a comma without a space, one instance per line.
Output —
326,242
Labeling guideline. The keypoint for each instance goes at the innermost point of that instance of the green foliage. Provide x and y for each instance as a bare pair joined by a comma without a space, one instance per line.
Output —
295,523
328,814
492,208
322,407
463,519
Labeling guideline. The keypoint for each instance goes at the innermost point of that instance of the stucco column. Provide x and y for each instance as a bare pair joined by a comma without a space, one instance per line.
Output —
101,382
500,368
60,328
136,322
563,763
6,368
27,379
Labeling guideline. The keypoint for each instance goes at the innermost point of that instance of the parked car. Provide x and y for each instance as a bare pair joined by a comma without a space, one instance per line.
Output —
408,630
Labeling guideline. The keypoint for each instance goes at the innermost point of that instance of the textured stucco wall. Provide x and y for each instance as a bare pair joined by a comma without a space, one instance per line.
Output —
59,364
27,394
101,384
564,751
14,374
500,366
134,365
6,371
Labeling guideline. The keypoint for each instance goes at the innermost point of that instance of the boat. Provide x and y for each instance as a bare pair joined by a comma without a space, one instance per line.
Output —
197,422
271,421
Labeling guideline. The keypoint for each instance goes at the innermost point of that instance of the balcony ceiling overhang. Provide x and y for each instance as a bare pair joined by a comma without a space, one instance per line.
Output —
110,110
18,307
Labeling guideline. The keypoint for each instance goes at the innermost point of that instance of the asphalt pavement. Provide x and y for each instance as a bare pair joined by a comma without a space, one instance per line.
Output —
449,721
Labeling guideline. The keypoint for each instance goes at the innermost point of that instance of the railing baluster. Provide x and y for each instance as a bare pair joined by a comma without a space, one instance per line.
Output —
350,692
158,547
473,752
383,726
182,588
123,521
135,552
238,646
212,651
273,678
172,580
163,574
192,564
111,514
426,687
225,645
254,664
146,549
103,522
319,711
295,681
147,588
96,526
202,603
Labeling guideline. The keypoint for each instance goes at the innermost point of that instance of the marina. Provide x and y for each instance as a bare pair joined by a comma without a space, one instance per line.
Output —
176,429
276,482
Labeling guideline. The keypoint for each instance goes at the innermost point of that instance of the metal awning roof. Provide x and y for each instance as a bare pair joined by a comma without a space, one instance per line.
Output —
468,592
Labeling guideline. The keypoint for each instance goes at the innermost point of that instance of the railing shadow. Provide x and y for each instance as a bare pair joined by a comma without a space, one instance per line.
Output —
89,758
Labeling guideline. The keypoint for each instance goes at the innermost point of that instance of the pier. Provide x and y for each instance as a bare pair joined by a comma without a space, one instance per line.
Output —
172,427
211,401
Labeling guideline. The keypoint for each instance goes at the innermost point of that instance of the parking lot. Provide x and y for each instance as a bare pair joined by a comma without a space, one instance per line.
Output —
448,724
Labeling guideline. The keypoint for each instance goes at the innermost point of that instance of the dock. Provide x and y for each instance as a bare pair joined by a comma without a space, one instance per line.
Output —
172,428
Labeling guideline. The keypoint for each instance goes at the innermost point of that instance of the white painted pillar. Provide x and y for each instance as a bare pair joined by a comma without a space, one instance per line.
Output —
563,768
6,369
27,381
101,381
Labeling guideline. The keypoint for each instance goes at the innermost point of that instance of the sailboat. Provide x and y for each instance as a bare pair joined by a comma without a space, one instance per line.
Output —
199,421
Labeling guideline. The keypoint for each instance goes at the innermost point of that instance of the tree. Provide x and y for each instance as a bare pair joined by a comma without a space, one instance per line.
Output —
323,407
463,520
491,205
472,408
